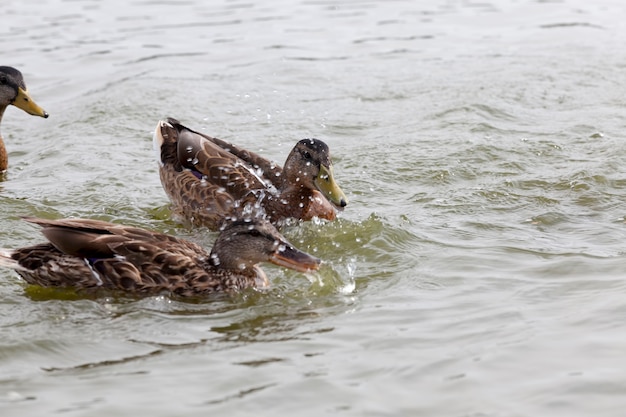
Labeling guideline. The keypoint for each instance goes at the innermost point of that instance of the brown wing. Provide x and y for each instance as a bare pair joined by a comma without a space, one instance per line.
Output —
218,166
196,201
151,266
90,254
171,130
270,171
92,238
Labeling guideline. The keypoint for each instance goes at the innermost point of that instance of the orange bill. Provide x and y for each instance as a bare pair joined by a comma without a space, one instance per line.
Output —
292,258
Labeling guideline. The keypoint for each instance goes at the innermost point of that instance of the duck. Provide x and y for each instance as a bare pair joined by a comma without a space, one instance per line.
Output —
13,92
88,255
210,181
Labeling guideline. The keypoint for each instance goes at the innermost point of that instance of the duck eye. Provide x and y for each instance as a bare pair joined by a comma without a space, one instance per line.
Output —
254,233
3,80
306,155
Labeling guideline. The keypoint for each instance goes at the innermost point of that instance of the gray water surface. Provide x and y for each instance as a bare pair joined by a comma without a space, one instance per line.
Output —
478,270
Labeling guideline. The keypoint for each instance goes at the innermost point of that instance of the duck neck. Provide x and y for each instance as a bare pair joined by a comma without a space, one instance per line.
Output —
223,261
291,183
292,202
4,159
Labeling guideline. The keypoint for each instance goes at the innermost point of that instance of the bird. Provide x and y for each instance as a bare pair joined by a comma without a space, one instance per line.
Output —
209,180
13,92
88,255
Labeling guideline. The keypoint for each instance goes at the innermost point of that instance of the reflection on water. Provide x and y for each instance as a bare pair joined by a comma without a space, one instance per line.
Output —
477,270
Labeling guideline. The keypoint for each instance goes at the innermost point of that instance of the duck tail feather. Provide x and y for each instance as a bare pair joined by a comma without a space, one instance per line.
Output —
6,261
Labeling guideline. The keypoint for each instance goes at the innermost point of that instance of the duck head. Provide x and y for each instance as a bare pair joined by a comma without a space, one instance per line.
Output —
13,92
310,165
243,244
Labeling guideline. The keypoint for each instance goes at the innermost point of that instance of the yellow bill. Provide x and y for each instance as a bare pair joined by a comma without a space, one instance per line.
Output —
325,182
26,103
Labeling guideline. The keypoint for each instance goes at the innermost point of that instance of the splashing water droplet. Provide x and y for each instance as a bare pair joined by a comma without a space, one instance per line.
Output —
314,277
348,288
351,266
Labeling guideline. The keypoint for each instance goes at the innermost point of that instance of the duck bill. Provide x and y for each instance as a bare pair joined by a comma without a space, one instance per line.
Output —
325,182
25,102
295,259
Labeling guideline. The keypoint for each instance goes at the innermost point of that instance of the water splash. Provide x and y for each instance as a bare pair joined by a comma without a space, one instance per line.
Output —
315,278
350,286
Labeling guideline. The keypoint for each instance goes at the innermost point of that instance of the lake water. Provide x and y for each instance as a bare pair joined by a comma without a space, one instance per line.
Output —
477,271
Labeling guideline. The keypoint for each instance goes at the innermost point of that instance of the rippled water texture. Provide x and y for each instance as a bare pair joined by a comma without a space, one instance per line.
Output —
478,270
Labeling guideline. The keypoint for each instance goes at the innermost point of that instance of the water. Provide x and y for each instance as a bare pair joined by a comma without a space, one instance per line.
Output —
478,270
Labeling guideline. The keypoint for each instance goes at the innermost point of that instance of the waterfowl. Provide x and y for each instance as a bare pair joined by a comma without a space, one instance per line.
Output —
209,180
91,254
13,92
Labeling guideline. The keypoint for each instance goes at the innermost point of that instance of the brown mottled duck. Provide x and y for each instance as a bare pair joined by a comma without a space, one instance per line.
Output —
91,254
210,181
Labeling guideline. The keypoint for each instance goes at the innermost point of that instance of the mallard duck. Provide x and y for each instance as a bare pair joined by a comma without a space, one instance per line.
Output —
92,254
210,181
13,91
